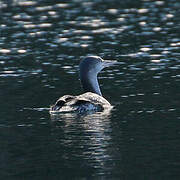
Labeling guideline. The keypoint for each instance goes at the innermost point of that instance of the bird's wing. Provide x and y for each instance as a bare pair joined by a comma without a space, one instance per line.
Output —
62,101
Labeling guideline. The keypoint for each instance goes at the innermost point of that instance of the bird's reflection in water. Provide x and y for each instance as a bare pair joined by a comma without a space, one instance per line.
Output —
85,139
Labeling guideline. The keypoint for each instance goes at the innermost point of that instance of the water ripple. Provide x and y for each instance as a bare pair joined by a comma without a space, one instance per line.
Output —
41,45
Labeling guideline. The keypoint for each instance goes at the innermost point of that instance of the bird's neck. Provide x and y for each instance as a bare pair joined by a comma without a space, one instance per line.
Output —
90,83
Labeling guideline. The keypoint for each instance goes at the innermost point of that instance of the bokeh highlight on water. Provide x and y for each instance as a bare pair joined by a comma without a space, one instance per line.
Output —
41,45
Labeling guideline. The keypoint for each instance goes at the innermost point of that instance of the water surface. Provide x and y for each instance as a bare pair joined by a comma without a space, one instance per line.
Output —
41,45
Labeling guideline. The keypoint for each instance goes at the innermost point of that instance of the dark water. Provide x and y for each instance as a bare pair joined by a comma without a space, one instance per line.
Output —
41,44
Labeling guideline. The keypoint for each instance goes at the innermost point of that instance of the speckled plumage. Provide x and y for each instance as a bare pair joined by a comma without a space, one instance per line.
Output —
82,103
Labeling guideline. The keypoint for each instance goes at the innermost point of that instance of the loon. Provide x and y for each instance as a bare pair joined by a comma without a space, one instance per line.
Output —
92,99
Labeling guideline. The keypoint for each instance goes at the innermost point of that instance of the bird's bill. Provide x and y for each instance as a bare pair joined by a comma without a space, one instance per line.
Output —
107,63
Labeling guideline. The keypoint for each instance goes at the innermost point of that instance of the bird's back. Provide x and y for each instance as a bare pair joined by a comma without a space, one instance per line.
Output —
85,102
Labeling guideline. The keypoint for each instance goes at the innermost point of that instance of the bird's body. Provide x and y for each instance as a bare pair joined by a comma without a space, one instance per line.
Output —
85,102
92,99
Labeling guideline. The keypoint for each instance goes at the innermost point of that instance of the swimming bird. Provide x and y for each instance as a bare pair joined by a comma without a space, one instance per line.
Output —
92,99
